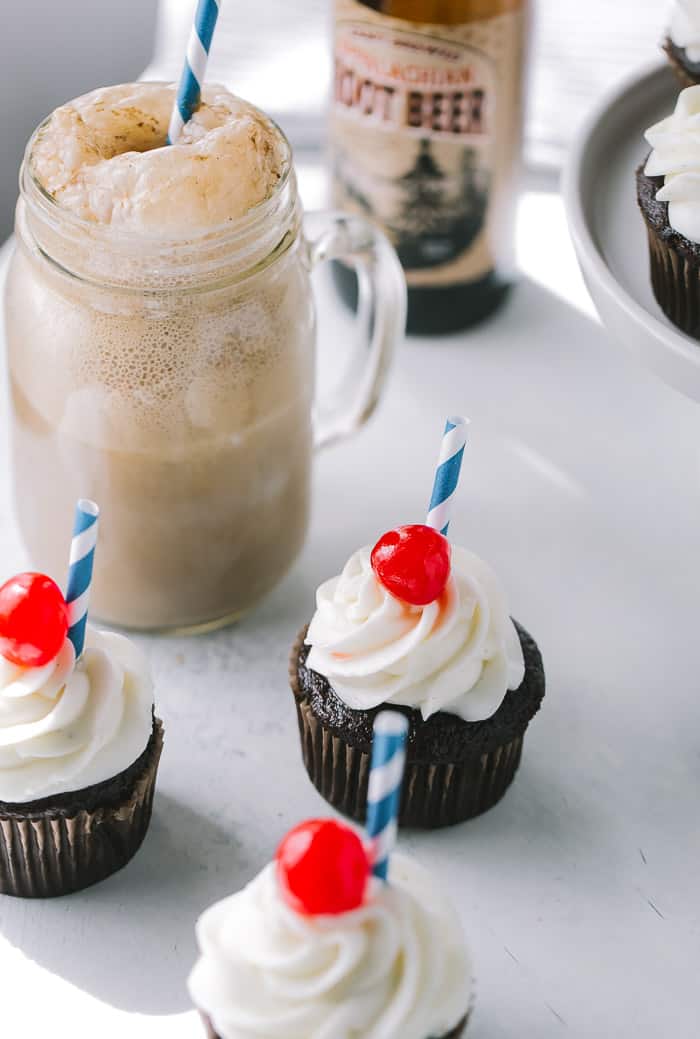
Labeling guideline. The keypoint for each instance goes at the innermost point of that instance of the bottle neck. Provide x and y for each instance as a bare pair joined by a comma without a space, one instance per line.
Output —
443,12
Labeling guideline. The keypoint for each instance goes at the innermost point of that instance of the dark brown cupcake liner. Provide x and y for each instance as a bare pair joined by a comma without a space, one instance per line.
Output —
674,261
433,794
54,850
675,279
454,1034
678,62
458,1029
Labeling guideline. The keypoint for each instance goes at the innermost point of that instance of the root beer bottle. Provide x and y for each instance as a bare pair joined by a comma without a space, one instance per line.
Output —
425,139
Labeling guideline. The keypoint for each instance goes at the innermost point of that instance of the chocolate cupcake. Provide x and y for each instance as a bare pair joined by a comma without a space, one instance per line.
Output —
449,657
79,747
315,945
457,1031
682,43
668,192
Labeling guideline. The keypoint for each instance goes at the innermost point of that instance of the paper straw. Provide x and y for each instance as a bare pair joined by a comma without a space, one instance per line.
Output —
189,91
385,779
447,473
82,557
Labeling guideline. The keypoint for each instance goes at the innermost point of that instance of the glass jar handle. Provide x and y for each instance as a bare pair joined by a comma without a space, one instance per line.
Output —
381,317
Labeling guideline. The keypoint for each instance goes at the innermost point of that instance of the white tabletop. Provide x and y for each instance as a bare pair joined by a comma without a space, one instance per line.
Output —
579,892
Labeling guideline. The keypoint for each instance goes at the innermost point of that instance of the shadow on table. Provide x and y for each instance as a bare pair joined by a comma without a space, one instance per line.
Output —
129,941
542,819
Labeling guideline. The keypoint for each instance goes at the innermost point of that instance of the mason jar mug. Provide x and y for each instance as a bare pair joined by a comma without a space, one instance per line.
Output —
172,381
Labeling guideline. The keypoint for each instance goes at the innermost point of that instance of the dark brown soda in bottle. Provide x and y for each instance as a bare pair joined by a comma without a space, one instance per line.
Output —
425,135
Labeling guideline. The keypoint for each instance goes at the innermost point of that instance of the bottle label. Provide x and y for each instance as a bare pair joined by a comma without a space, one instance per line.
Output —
425,136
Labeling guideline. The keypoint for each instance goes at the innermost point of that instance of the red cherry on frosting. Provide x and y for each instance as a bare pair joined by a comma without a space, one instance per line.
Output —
413,563
322,868
33,620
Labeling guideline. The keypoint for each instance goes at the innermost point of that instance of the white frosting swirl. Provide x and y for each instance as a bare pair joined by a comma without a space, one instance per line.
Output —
684,29
459,654
675,155
396,967
66,726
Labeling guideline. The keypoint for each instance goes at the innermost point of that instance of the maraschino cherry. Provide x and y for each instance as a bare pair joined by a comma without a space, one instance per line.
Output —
33,620
322,868
413,563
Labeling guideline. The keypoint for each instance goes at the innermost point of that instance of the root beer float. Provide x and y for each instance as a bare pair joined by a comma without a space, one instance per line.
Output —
161,346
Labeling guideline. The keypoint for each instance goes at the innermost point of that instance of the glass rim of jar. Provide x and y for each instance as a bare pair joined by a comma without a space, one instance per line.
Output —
240,239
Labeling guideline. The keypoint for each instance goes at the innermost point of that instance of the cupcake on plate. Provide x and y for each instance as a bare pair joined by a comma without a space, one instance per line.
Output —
682,43
79,740
315,947
668,192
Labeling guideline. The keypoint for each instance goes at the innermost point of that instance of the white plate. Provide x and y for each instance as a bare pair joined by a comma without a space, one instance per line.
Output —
608,231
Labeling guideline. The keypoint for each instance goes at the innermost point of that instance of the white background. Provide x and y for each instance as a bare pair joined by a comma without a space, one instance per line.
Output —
579,892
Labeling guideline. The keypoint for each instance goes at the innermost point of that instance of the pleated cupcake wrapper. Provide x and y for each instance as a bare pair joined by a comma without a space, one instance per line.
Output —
433,795
676,283
456,1032
459,1029
56,852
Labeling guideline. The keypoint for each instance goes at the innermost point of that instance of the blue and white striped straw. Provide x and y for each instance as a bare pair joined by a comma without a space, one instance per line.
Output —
82,557
189,92
385,779
447,473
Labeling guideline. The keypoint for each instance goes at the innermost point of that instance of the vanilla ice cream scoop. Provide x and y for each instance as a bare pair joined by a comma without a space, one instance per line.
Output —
104,157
